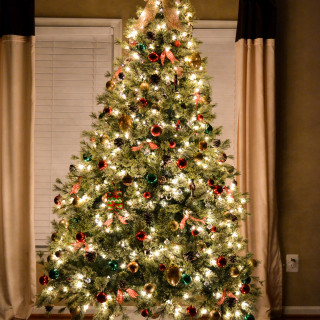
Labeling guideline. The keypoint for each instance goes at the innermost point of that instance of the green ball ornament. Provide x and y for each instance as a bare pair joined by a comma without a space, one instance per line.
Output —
246,280
209,129
87,157
54,274
113,265
186,279
249,317
73,222
141,47
152,178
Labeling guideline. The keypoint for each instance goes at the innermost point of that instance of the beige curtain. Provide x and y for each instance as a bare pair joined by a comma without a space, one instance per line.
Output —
256,163
17,248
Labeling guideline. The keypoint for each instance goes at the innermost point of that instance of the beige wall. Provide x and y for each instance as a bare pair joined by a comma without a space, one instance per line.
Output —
298,117
298,162
206,9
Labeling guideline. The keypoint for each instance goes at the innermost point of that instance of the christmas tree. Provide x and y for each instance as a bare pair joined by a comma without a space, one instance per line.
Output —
149,213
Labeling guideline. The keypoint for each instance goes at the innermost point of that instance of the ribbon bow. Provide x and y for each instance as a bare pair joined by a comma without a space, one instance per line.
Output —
76,187
229,192
229,294
117,73
152,146
123,220
130,292
197,97
169,55
77,245
170,15
186,217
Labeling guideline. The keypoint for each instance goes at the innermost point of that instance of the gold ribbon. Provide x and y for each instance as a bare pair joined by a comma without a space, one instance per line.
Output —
170,15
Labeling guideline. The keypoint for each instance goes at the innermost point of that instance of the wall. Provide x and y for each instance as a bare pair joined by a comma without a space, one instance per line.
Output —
298,130
206,9
298,117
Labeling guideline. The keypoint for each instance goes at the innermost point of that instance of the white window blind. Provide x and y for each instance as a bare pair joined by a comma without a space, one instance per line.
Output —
70,67
219,46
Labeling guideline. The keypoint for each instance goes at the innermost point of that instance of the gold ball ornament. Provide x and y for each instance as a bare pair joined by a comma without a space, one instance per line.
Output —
201,246
51,257
234,272
178,71
149,287
75,201
133,267
125,123
127,180
173,275
104,198
198,157
105,140
162,179
155,107
55,237
203,145
110,85
174,225
204,100
215,315
252,263
145,86
64,223
195,61
75,311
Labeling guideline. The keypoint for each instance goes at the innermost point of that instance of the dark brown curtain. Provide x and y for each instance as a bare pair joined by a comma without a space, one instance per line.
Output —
17,250
255,46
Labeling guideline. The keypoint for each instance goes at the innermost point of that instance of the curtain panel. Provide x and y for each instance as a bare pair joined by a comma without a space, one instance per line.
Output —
255,81
17,250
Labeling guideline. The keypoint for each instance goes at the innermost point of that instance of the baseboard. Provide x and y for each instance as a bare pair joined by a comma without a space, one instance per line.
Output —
289,313
301,310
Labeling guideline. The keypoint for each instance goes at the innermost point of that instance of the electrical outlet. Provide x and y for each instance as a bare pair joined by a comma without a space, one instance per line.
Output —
292,263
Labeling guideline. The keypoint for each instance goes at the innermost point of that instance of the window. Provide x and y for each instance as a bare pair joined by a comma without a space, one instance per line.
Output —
72,56
218,44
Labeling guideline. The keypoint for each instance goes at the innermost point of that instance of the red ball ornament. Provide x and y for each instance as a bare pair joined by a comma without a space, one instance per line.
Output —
245,288
200,117
147,195
92,139
102,164
101,297
210,182
80,236
221,262
153,57
223,158
172,144
141,236
192,311
143,102
182,163
156,130
217,190
177,44
162,267
107,110
57,200
195,232
144,312
213,229
133,43
44,280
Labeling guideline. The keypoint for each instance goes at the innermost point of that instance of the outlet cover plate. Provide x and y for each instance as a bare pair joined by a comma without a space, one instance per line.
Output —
292,263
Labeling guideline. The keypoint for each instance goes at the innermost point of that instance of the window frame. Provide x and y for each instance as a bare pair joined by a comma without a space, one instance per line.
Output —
115,24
